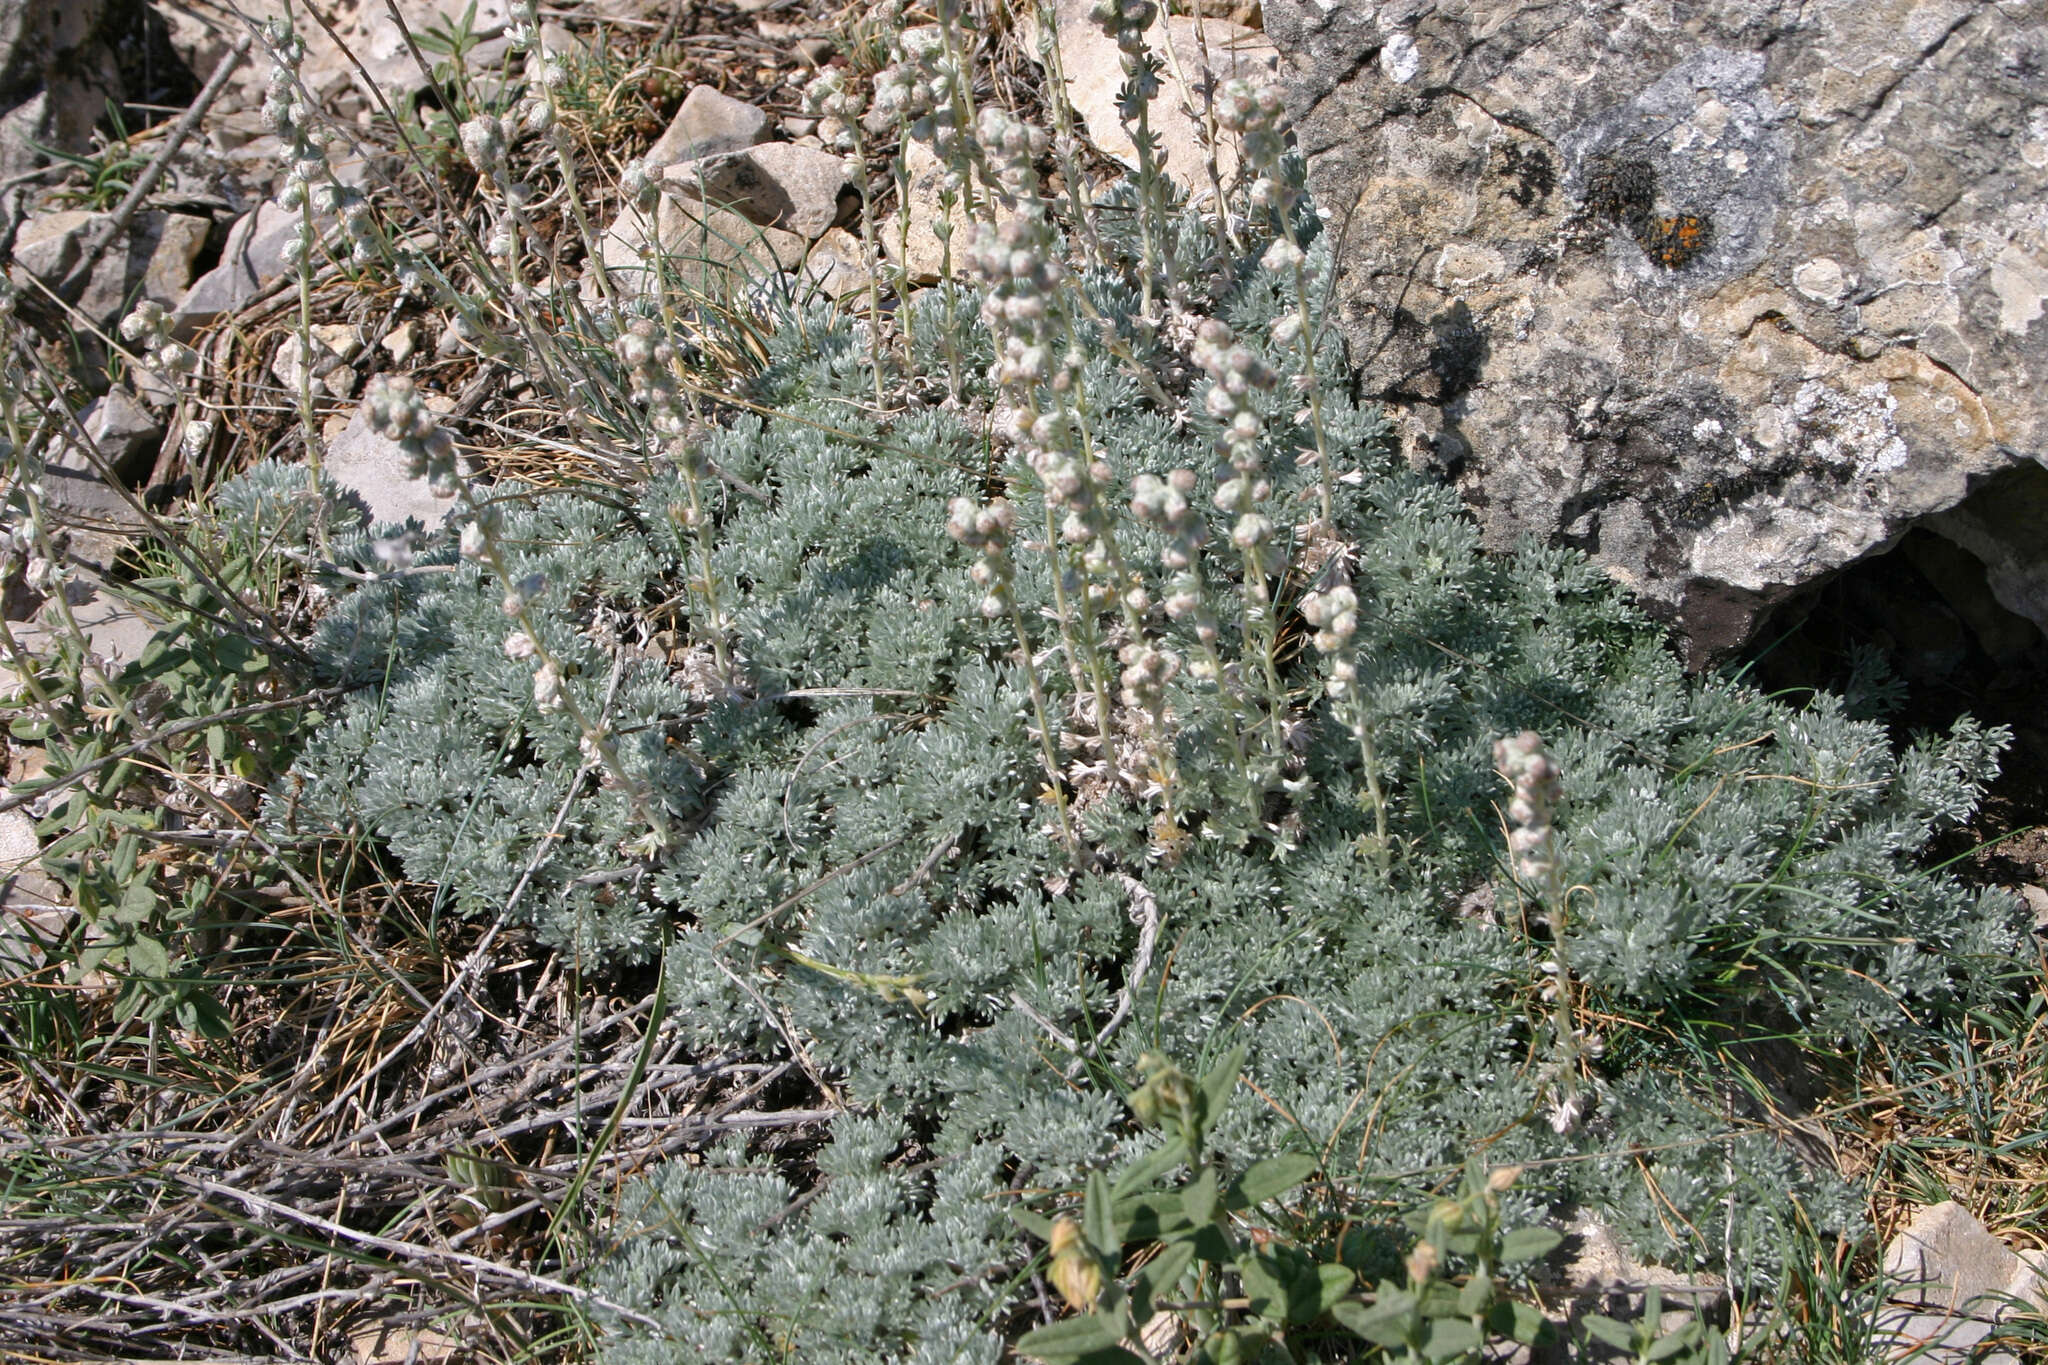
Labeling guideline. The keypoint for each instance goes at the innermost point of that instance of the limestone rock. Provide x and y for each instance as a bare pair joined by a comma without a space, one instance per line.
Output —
703,250
251,262
1955,1283
775,185
125,432
1729,294
1603,1276
374,468
380,43
838,265
912,243
57,71
32,903
153,259
708,124
1094,73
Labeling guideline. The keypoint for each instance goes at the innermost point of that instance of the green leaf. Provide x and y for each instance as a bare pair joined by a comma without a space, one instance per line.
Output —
1150,1167
1089,1340
1268,1179
1159,1275
148,957
1686,1338
1386,1321
1521,1322
1333,1282
1216,1087
1037,1224
1149,1217
1098,1220
1528,1244
1450,1338
1475,1296
138,903
200,1013
1265,1285
1615,1334
1198,1200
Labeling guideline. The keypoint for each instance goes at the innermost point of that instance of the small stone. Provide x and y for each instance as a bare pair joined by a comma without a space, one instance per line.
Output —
154,261
115,632
708,124
838,265
2036,898
33,911
340,338
799,127
401,341
179,241
777,184
386,55
560,42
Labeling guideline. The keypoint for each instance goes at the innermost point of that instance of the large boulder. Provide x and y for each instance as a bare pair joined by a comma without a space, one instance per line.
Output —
1729,293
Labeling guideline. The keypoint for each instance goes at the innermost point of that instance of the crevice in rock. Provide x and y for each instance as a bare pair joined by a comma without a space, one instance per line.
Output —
1915,636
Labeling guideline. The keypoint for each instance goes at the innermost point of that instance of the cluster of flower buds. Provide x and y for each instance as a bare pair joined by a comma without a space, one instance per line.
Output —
148,329
1237,374
649,360
523,28
20,550
1124,22
641,184
398,412
986,531
1012,147
486,141
290,116
1147,670
284,107
917,89
1016,261
1166,504
1334,614
837,108
1532,837
1255,112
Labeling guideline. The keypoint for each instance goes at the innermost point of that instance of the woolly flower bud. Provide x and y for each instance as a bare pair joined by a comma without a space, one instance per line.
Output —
641,186
484,142
520,645
1251,531
1537,789
547,689
147,323
1282,256
1334,612
472,541
396,410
